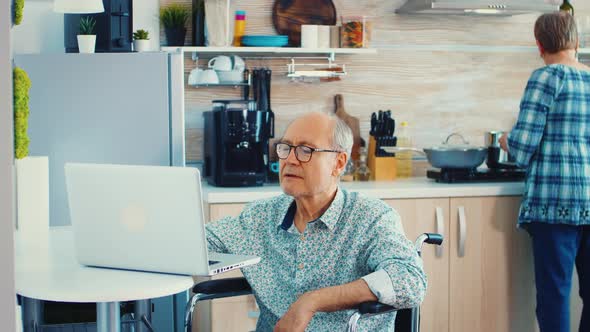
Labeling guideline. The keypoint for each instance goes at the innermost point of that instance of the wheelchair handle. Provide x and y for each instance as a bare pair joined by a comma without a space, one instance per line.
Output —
430,238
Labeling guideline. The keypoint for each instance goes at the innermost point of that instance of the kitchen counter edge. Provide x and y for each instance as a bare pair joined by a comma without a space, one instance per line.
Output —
399,189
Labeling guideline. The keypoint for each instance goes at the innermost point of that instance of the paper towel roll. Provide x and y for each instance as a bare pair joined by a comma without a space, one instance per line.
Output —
323,36
309,36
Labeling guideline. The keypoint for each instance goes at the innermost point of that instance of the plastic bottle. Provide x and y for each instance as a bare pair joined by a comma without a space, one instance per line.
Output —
239,27
404,159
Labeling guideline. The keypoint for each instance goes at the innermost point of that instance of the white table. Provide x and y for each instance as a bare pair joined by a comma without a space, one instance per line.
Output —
50,272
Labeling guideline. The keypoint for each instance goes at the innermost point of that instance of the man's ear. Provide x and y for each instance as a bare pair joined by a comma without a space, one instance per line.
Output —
341,161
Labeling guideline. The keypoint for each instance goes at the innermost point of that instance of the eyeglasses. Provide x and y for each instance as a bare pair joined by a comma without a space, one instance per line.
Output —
302,152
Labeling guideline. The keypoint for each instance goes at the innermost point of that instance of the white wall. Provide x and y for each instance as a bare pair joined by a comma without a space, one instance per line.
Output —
145,16
7,293
42,30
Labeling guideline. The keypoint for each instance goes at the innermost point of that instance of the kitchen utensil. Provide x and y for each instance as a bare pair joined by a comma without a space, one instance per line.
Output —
352,122
220,63
200,76
246,91
497,158
449,155
231,76
289,15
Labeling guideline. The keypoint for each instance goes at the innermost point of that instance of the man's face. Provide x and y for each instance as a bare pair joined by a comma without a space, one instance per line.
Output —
320,173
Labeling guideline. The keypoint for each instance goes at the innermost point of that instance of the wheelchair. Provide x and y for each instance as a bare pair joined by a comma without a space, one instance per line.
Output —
407,320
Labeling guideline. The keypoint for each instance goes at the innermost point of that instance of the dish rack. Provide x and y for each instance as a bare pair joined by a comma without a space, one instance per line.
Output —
329,70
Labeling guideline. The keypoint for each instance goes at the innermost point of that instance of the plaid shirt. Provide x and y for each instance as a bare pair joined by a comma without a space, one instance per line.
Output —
551,139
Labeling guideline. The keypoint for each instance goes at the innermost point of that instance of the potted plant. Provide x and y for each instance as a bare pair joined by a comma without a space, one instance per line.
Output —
86,37
31,173
174,19
141,41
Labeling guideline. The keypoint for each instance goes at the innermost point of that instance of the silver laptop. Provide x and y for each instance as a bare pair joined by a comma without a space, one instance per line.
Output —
147,218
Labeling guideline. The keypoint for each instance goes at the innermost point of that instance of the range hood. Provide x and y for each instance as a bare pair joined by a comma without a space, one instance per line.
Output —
477,7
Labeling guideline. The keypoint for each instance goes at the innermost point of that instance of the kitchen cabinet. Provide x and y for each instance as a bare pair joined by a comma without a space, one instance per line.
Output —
491,267
430,215
234,314
483,278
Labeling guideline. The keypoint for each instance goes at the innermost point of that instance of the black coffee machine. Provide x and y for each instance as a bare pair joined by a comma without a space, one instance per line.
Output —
236,143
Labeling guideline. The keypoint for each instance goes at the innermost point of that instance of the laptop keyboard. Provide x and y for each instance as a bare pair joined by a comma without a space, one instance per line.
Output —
213,262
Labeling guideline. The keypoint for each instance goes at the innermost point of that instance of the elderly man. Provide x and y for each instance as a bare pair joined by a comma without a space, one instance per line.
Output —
323,249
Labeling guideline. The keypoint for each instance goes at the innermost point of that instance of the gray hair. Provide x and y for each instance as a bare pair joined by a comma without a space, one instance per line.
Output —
342,138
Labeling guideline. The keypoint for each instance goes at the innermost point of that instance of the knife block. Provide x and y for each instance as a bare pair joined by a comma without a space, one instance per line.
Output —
382,168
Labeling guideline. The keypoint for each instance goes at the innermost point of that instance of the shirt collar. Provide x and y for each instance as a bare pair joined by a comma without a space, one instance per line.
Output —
329,218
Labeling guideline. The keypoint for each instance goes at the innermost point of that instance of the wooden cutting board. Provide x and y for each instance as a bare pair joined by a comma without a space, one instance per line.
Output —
289,15
352,122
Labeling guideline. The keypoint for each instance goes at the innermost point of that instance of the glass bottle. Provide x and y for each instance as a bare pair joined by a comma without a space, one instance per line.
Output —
198,22
404,158
566,6
348,173
362,172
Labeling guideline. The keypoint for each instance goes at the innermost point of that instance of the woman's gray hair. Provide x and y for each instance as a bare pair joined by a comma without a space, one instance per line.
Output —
342,138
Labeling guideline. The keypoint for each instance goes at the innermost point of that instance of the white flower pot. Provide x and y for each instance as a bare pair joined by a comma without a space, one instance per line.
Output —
86,43
141,45
32,199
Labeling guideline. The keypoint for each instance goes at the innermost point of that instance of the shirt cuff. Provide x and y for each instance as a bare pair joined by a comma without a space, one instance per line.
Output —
380,284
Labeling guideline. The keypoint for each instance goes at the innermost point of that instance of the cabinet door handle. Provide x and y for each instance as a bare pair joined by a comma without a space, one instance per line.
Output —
440,229
462,231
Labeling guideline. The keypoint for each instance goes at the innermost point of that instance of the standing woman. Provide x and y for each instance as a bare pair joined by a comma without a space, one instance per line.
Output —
551,139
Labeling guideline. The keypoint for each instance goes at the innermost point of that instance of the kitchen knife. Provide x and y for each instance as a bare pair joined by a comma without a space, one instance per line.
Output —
373,124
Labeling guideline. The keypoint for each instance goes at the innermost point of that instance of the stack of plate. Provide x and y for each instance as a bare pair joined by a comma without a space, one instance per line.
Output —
267,41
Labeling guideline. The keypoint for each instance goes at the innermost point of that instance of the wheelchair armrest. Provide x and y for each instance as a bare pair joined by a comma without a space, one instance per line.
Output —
374,308
228,285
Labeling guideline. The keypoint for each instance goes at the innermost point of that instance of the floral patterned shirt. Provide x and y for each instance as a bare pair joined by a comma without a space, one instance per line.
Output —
357,237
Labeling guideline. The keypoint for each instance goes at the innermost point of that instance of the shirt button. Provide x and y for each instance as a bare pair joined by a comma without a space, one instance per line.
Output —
302,238
300,266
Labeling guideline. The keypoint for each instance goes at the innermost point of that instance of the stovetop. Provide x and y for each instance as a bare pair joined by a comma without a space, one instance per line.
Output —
476,175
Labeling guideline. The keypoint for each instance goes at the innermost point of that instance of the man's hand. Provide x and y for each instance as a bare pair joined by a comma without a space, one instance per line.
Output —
504,142
298,316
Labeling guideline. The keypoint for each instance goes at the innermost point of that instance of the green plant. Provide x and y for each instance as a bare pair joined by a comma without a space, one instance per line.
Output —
141,35
87,25
21,87
174,16
18,9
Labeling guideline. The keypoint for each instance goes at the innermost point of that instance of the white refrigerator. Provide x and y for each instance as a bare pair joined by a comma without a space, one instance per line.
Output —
123,108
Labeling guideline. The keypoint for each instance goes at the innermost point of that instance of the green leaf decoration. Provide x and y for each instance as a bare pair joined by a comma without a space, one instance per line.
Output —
22,84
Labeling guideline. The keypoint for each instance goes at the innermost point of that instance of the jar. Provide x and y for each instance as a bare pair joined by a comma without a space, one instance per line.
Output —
355,32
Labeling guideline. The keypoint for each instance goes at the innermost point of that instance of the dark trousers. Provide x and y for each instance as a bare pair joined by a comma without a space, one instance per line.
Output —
556,249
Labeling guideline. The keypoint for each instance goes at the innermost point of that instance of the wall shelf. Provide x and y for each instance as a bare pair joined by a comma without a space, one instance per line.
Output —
269,51
234,85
